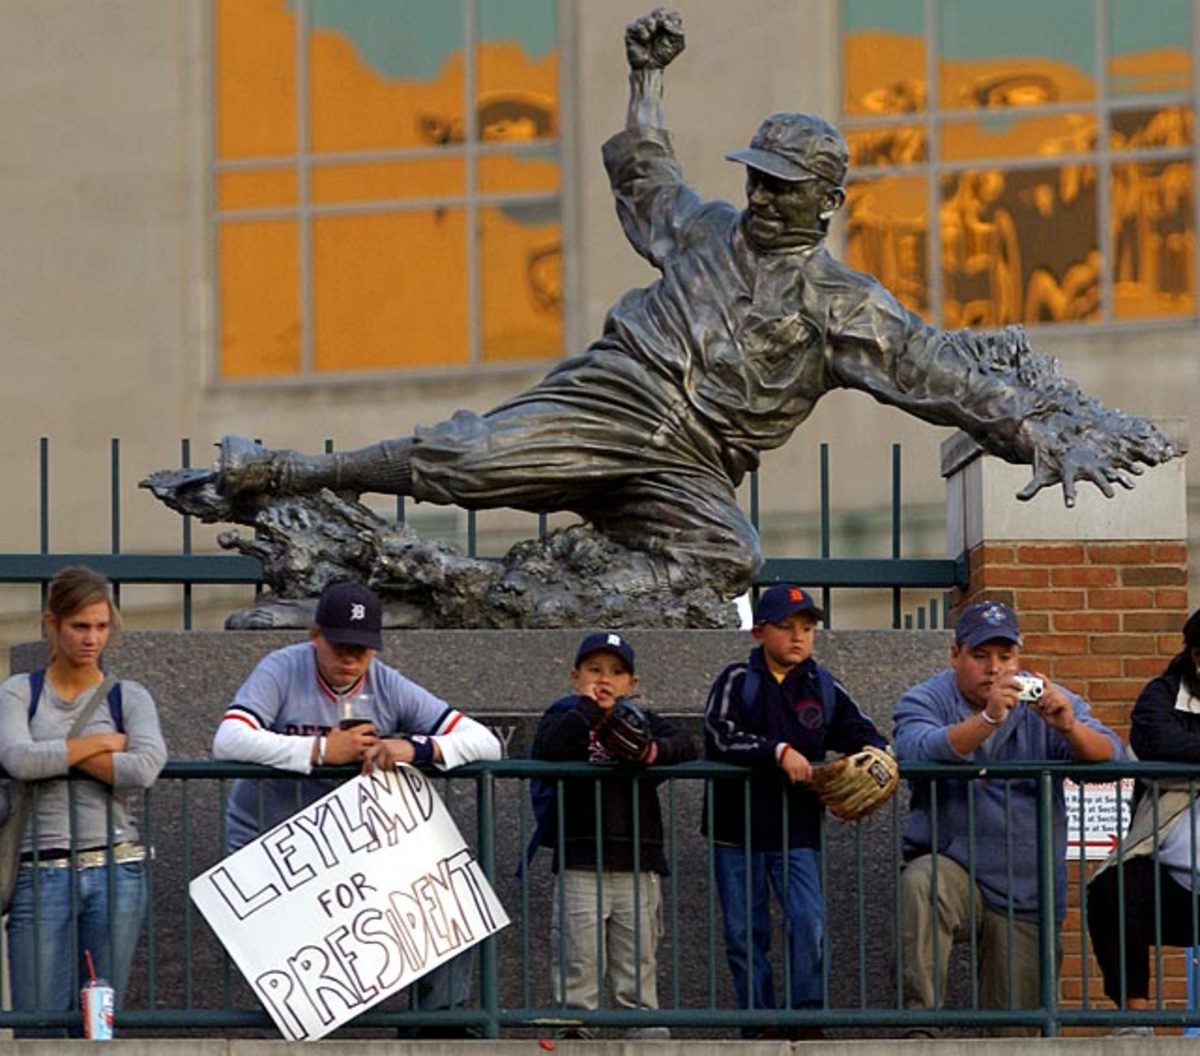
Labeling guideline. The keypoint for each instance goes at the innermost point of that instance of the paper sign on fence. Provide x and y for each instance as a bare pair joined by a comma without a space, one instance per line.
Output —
352,898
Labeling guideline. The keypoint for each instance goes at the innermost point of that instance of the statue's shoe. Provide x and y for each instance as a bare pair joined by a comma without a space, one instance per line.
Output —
245,466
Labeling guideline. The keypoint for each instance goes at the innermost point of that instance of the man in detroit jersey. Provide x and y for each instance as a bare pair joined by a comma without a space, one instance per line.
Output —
296,711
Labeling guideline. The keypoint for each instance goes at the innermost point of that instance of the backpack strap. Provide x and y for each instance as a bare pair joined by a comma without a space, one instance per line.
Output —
37,681
828,690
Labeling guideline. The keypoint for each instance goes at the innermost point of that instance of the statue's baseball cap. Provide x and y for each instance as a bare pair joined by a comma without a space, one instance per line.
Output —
796,147
986,621
605,642
350,614
780,602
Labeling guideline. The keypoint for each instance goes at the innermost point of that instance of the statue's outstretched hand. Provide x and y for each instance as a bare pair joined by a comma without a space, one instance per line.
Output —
1105,453
654,40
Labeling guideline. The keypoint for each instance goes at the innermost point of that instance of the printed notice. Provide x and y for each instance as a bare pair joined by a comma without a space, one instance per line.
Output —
1097,816
349,900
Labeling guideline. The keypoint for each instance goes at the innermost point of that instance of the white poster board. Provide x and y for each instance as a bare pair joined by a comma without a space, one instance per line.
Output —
349,900
1105,814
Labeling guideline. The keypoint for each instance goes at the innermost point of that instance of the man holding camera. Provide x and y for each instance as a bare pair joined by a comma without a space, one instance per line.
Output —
984,709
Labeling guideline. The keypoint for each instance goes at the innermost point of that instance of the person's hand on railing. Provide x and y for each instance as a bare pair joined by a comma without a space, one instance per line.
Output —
350,745
794,765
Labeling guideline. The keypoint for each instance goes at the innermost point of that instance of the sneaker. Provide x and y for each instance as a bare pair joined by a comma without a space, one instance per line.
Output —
649,1034
924,1033
1132,1032
574,1034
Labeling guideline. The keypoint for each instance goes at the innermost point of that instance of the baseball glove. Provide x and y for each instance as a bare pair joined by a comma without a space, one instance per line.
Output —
855,785
624,732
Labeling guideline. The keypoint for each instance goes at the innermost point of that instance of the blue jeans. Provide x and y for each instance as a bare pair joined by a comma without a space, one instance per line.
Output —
750,926
45,952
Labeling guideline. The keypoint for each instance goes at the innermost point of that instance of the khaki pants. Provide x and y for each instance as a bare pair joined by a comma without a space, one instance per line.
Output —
628,935
995,940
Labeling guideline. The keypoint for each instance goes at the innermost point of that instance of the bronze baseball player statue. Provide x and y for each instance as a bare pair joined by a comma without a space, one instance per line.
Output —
647,433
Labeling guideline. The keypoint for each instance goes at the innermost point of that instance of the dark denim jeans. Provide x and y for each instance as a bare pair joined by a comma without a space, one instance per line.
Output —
45,960
750,925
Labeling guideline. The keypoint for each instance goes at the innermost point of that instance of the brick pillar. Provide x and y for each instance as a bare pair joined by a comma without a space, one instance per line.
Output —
1101,592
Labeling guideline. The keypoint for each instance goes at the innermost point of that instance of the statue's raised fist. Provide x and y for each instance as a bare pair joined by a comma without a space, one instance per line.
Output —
654,40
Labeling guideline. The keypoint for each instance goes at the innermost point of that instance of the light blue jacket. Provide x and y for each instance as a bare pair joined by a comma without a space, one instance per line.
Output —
1004,857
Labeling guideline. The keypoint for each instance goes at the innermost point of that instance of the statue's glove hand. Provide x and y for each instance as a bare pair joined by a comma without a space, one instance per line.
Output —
654,40
1106,451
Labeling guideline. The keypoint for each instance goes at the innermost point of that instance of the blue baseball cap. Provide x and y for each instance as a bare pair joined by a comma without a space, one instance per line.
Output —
985,621
350,614
605,642
780,602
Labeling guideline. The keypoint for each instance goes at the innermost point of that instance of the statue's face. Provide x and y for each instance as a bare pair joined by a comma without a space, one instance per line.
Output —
782,214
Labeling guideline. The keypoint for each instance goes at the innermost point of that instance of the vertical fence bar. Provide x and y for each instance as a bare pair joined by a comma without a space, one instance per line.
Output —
185,459
489,996
43,508
115,502
1047,931
471,533
895,530
826,594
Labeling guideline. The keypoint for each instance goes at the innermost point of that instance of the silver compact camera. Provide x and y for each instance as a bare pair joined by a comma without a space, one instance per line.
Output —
1031,688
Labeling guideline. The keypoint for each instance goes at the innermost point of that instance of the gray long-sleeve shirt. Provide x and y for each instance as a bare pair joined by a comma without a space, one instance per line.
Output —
36,751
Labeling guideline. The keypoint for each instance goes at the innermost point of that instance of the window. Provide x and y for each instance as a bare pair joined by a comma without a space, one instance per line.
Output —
367,218
1023,162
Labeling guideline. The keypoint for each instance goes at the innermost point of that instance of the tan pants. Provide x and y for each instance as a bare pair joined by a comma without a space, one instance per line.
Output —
628,935
995,938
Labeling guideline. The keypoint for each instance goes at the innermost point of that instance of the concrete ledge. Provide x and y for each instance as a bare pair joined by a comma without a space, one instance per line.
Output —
1159,1046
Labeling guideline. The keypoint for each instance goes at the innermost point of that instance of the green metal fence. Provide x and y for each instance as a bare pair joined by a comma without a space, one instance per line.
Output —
184,981
930,578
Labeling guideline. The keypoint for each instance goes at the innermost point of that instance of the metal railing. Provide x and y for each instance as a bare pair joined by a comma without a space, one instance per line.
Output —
895,573
184,981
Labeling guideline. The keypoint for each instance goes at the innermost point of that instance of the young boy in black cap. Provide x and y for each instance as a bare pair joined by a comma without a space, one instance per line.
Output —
777,713
630,919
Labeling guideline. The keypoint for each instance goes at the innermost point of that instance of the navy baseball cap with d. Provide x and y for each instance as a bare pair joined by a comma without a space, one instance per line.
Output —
605,642
350,614
780,602
985,621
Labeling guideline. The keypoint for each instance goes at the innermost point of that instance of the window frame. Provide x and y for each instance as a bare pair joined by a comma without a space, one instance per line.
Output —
1104,160
472,202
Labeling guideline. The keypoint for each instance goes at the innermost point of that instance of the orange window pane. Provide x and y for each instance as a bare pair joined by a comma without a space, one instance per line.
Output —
521,266
385,75
516,71
1152,126
255,78
527,173
257,189
390,290
883,57
1017,54
1153,225
894,145
1020,246
887,235
260,299
378,181
1018,137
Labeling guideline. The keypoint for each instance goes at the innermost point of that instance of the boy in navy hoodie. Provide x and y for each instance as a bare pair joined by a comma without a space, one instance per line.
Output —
777,714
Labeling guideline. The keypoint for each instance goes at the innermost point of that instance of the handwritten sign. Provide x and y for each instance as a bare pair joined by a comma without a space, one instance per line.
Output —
349,900
1104,813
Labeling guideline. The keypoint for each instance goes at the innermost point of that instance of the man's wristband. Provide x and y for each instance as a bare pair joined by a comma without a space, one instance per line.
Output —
422,748
988,719
320,750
